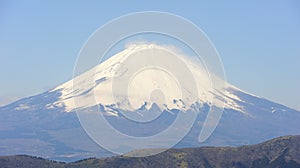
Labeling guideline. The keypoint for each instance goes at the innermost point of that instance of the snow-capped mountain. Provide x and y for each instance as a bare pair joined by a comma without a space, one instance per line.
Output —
97,83
46,124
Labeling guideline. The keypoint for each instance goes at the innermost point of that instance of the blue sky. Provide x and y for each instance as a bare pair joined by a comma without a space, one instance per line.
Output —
258,41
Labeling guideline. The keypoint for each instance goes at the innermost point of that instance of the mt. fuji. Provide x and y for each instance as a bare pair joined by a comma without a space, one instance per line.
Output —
46,124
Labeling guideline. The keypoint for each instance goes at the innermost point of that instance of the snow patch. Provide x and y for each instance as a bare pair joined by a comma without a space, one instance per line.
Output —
23,107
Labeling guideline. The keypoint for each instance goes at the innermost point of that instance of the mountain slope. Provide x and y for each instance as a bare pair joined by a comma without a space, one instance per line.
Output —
282,152
46,124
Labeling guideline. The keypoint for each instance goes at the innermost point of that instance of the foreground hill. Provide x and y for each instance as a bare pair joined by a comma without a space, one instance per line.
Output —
282,152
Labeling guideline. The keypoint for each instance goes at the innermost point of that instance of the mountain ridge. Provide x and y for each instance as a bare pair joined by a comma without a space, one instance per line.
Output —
281,152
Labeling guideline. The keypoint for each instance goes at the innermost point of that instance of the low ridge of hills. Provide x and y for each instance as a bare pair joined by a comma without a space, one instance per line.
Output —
282,152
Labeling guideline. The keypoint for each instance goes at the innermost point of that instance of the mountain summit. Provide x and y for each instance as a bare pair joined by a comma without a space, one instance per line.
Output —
147,70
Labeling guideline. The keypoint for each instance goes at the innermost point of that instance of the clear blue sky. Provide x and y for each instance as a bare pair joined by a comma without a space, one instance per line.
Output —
258,41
